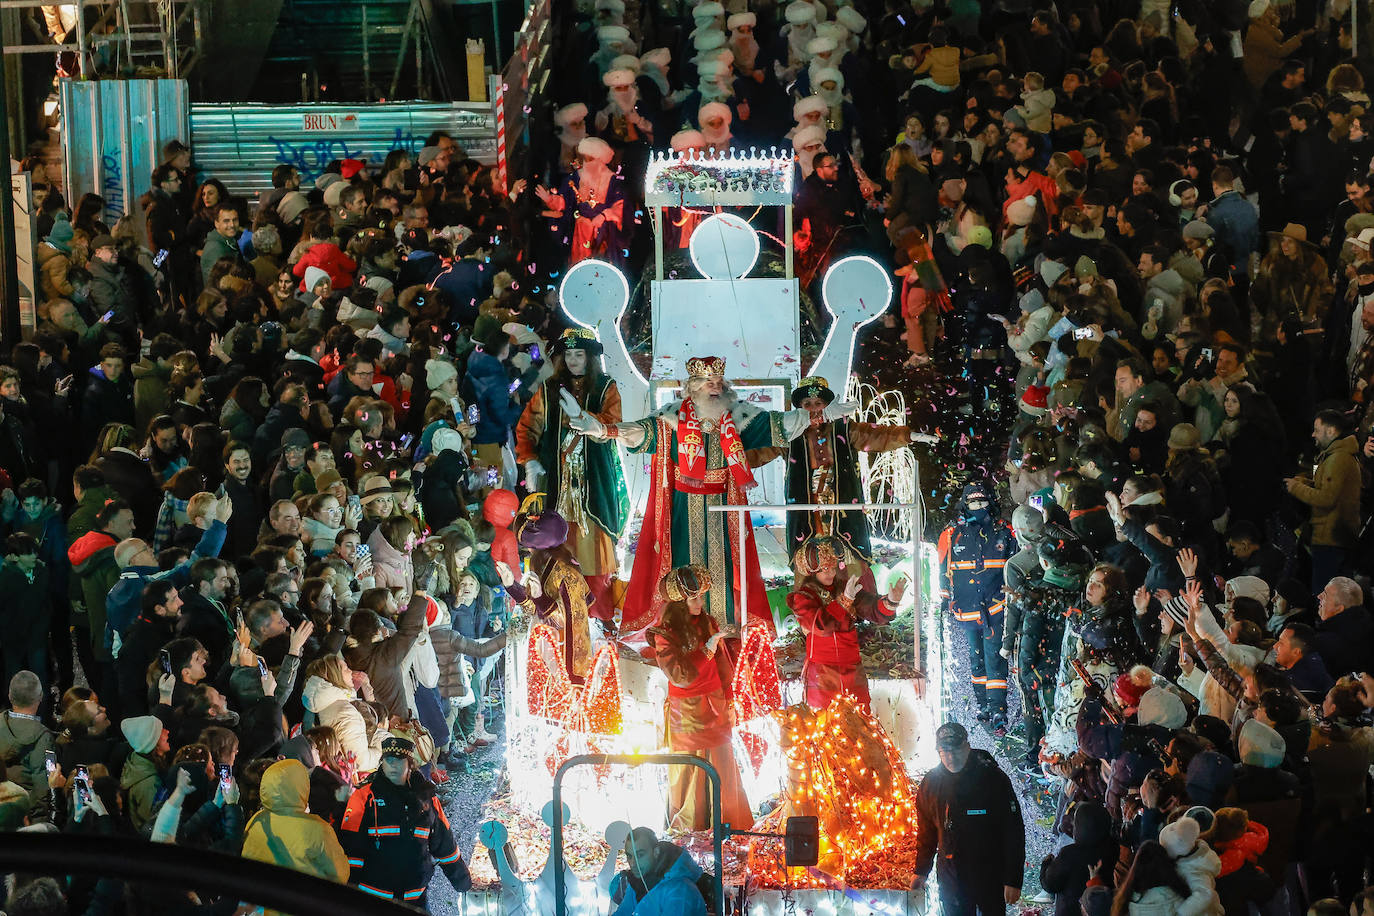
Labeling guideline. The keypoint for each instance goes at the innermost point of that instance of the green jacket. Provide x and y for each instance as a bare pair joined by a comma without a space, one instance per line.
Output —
94,573
150,391
83,516
139,782
23,746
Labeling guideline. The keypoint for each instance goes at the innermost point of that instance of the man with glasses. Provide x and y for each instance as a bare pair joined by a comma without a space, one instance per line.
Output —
355,380
973,552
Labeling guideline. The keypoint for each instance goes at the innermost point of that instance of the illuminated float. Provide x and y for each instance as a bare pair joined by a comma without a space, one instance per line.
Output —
852,769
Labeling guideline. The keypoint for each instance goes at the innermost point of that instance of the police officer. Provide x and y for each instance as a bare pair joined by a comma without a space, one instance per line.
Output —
968,825
395,832
973,552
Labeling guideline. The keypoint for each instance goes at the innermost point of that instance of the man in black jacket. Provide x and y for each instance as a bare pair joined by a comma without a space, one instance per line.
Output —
153,629
967,812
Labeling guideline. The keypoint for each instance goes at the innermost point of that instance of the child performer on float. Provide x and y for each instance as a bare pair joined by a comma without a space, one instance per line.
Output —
829,598
692,651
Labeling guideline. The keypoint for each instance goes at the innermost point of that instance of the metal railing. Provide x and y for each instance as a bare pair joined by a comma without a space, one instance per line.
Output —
175,34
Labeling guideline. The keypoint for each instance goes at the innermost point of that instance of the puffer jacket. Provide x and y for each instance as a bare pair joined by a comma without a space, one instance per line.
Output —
333,706
1334,495
284,833
450,647
1200,868
53,266
150,390
1157,901
1242,881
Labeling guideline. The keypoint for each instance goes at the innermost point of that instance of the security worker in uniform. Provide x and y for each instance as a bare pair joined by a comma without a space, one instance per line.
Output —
969,826
973,551
395,832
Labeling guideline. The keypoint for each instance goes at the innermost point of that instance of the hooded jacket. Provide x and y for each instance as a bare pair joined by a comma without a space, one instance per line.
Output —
674,891
24,743
1242,881
284,833
391,568
1066,874
140,781
95,571
333,707
500,508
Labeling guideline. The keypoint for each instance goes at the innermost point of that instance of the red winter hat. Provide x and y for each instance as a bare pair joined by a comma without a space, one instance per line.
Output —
1035,400
1128,691
1079,160
350,167
431,611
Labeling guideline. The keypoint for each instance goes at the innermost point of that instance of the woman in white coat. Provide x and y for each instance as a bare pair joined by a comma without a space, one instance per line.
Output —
329,694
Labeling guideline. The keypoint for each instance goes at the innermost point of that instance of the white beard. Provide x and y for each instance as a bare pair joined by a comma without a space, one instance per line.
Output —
570,138
715,91
713,408
834,98
804,160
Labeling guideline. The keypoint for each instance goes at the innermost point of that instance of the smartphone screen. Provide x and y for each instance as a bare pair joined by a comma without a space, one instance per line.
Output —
226,775
1036,502
473,415
411,179
262,667
107,316
493,477
407,439
165,660
514,386
534,352
50,760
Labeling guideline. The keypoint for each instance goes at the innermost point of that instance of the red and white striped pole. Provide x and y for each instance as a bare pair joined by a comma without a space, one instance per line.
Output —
501,132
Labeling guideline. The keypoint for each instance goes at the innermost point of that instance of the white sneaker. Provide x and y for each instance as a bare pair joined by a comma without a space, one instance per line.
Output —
1043,897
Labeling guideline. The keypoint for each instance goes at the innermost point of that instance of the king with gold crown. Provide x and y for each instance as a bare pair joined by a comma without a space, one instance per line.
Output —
701,449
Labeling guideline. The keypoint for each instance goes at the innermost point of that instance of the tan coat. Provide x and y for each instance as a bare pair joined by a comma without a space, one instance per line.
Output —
1334,495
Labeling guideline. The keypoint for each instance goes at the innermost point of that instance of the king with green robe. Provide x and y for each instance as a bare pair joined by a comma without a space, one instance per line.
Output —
698,446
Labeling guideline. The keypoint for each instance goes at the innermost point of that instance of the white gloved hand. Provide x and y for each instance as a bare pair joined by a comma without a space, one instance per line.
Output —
534,472
837,409
571,409
588,425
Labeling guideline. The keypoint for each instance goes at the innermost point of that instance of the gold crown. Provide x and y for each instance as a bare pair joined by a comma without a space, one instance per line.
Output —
814,555
579,334
813,381
706,367
675,589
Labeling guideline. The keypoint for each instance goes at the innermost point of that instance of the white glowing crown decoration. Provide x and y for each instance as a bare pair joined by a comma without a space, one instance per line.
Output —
709,178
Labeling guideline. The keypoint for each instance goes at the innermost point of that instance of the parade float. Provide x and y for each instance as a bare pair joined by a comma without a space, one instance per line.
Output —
853,770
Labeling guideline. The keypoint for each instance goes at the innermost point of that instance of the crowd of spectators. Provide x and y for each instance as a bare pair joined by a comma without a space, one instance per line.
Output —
258,451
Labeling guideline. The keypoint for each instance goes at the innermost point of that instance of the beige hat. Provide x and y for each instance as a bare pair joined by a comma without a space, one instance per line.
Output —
851,19
808,136
619,78
1258,8
812,104
1364,239
708,10
686,139
741,19
821,45
713,110
569,113
291,206
334,192
595,148
609,33
659,57
708,40
801,13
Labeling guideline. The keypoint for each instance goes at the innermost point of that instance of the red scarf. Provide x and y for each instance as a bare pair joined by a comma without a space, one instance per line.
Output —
691,446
